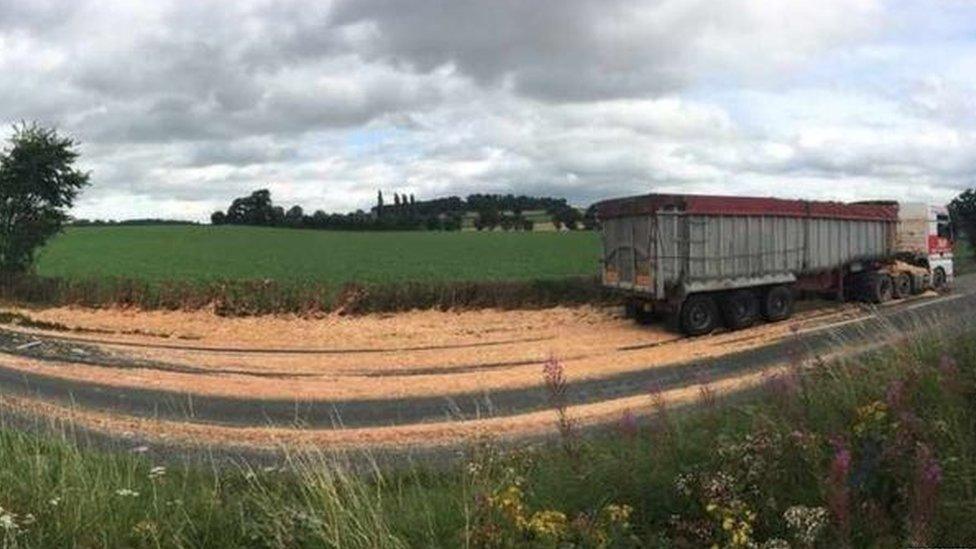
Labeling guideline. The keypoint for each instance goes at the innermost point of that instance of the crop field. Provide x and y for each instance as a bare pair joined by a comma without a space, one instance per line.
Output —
227,253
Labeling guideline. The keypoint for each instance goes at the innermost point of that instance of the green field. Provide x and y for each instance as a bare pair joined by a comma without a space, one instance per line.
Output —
206,253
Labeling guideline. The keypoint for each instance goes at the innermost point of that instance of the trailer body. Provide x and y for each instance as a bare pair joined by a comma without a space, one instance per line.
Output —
661,249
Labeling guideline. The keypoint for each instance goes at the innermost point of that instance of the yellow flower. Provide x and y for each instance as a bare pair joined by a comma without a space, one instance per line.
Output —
548,525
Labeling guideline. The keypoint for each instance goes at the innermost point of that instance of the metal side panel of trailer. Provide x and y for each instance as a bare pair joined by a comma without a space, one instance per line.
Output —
672,253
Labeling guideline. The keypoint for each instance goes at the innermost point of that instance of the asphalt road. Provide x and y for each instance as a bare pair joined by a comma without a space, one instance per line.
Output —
913,316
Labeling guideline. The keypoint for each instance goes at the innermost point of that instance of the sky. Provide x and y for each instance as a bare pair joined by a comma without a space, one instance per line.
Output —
181,106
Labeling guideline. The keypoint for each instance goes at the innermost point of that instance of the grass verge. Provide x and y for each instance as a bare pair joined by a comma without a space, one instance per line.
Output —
874,451
257,297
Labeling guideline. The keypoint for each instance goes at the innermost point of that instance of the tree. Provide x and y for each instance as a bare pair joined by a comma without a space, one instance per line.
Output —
38,184
255,209
590,222
295,216
218,218
396,200
963,211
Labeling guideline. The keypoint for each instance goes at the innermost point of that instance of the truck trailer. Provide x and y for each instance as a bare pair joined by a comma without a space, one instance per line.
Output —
710,261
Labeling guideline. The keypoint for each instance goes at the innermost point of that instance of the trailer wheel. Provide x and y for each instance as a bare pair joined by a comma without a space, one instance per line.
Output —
879,287
740,309
699,315
634,308
778,303
939,278
630,308
902,285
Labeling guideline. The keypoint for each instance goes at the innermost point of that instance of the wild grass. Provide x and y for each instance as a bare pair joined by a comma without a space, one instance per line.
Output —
257,297
867,452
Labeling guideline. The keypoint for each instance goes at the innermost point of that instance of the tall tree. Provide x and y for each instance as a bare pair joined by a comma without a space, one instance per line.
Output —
38,185
963,211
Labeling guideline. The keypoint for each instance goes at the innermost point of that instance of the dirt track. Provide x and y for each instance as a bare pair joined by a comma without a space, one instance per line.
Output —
424,377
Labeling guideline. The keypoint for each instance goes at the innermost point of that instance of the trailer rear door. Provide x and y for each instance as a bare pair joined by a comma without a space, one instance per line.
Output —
628,252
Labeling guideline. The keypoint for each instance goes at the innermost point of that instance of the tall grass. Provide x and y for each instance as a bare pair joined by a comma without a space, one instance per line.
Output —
874,451
256,297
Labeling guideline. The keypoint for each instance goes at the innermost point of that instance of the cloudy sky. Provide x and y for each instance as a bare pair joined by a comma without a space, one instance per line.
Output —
181,106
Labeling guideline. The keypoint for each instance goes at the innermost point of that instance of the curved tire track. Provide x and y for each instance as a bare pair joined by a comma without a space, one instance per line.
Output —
396,411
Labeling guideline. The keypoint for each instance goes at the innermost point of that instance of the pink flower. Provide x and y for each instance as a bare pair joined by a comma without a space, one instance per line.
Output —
925,493
838,493
628,425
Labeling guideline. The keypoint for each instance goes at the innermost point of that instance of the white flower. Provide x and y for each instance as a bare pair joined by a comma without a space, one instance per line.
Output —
806,523
140,450
54,502
157,472
125,492
8,520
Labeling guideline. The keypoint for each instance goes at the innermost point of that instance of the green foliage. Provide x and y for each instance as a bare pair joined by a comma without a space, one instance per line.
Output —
963,210
38,184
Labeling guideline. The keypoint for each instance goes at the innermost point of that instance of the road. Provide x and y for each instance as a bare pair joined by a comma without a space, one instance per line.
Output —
244,411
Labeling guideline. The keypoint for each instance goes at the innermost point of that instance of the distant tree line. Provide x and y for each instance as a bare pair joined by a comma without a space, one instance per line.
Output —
405,213
126,222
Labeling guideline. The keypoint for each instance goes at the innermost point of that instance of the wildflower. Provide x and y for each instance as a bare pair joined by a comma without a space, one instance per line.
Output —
736,520
548,525
895,394
806,523
838,498
508,501
55,501
126,493
870,418
8,521
628,425
140,450
948,373
157,472
617,514
775,543
925,489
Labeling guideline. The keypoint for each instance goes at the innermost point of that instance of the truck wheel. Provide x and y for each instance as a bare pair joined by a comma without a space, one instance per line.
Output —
879,288
778,303
634,308
740,309
902,286
630,308
939,278
699,315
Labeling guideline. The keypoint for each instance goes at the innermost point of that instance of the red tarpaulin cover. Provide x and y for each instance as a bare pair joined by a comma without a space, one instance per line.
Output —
745,205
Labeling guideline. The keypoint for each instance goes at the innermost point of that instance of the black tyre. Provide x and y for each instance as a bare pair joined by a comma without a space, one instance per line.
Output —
902,285
939,278
778,303
879,288
630,308
635,309
740,309
699,315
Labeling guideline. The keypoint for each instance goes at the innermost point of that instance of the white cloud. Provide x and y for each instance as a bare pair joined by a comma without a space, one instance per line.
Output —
181,106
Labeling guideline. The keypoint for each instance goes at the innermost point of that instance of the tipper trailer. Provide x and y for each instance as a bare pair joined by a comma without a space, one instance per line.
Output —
714,260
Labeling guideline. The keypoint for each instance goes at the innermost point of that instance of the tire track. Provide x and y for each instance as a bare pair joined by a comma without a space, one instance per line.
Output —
396,411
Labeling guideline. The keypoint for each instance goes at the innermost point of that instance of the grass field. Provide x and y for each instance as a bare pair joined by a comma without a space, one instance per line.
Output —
875,452
215,253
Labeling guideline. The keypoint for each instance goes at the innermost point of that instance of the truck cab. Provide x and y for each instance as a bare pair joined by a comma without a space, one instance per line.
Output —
925,238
